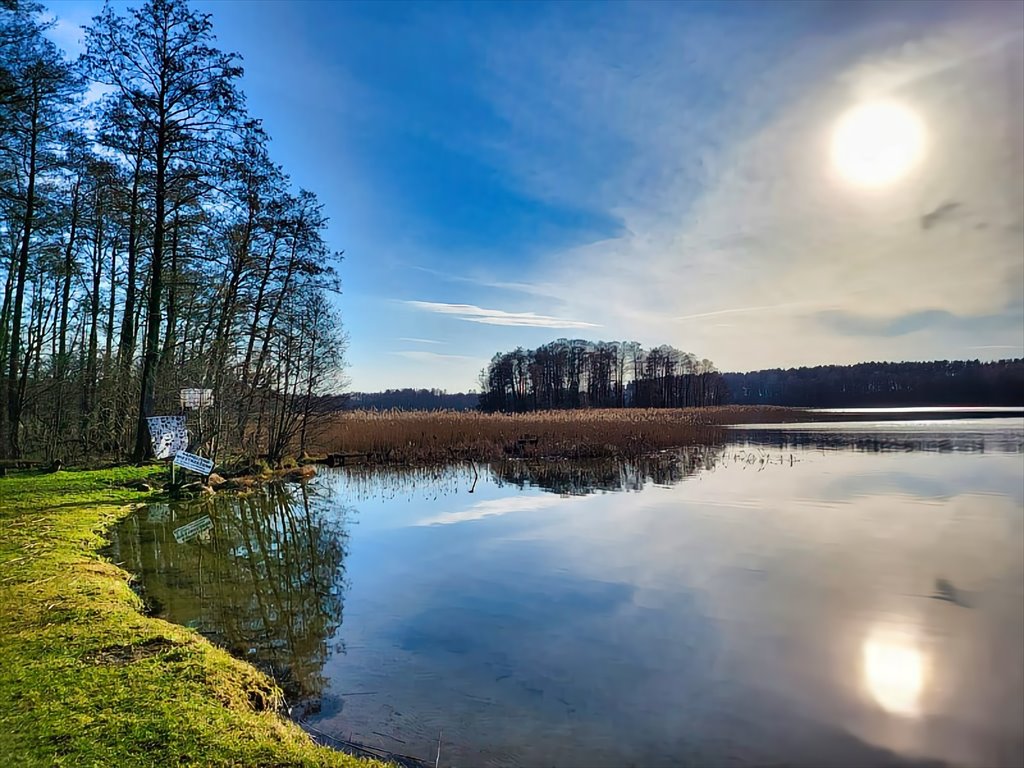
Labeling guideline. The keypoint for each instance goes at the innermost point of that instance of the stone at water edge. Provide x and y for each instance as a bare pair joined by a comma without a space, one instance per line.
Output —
300,473
195,488
239,483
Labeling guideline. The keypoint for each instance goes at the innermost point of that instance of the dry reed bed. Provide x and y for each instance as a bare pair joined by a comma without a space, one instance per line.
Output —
430,436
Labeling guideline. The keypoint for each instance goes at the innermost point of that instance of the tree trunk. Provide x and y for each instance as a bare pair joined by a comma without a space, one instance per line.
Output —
92,367
111,304
14,402
151,355
129,325
69,268
167,356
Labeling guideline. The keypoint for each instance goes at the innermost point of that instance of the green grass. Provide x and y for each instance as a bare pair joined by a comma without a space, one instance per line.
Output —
86,679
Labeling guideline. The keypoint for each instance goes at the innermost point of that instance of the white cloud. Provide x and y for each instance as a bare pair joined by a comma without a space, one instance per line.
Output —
96,91
68,34
503,506
419,341
474,314
754,220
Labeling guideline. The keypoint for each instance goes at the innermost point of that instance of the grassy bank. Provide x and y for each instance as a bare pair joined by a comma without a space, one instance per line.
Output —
86,679
432,436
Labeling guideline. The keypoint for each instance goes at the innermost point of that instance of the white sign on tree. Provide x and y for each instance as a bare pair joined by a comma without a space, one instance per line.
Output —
196,398
168,435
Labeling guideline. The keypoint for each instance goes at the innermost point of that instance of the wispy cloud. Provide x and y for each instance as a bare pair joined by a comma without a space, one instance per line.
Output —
855,324
474,314
534,289
423,356
736,310
419,341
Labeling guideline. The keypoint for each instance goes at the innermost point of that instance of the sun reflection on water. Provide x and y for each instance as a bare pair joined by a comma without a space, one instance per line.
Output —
895,670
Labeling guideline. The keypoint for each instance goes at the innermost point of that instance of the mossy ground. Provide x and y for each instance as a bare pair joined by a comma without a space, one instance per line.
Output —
88,680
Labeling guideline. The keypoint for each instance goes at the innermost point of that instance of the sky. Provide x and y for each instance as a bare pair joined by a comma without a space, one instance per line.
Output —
502,175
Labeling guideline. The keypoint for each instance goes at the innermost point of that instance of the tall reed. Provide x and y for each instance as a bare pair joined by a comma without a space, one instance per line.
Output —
429,436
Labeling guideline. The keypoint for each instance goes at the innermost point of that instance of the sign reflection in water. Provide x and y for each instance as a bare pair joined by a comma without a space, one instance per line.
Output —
798,597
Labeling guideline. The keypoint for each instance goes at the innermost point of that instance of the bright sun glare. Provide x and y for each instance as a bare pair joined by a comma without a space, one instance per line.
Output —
895,672
877,143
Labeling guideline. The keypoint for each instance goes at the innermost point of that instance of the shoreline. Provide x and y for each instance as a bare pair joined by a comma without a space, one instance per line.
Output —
91,680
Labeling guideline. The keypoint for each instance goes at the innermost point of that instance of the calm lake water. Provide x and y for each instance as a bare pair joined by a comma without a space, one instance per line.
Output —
827,594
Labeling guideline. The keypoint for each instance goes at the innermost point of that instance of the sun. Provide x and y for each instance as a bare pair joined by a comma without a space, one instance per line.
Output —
875,144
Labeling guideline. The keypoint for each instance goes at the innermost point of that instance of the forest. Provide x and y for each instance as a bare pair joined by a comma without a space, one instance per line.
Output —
598,374
150,243
409,399
583,374
942,382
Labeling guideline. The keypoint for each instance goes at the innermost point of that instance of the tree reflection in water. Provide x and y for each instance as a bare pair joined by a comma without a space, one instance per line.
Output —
578,478
882,438
757,448
266,582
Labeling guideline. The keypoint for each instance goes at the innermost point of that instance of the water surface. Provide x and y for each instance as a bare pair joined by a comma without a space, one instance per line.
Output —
808,595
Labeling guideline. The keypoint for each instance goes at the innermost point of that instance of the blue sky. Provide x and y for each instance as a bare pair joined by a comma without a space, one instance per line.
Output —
500,175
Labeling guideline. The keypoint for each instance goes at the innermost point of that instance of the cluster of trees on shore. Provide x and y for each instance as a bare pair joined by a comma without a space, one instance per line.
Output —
942,382
573,373
149,242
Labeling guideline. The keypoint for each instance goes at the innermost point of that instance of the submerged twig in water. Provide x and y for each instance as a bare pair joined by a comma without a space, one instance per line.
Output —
362,750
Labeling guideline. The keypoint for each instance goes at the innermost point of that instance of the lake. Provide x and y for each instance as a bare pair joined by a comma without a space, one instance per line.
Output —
821,594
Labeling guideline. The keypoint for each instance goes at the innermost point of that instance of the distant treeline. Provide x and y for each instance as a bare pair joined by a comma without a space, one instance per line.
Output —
942,382
598,374
413,400
567,374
